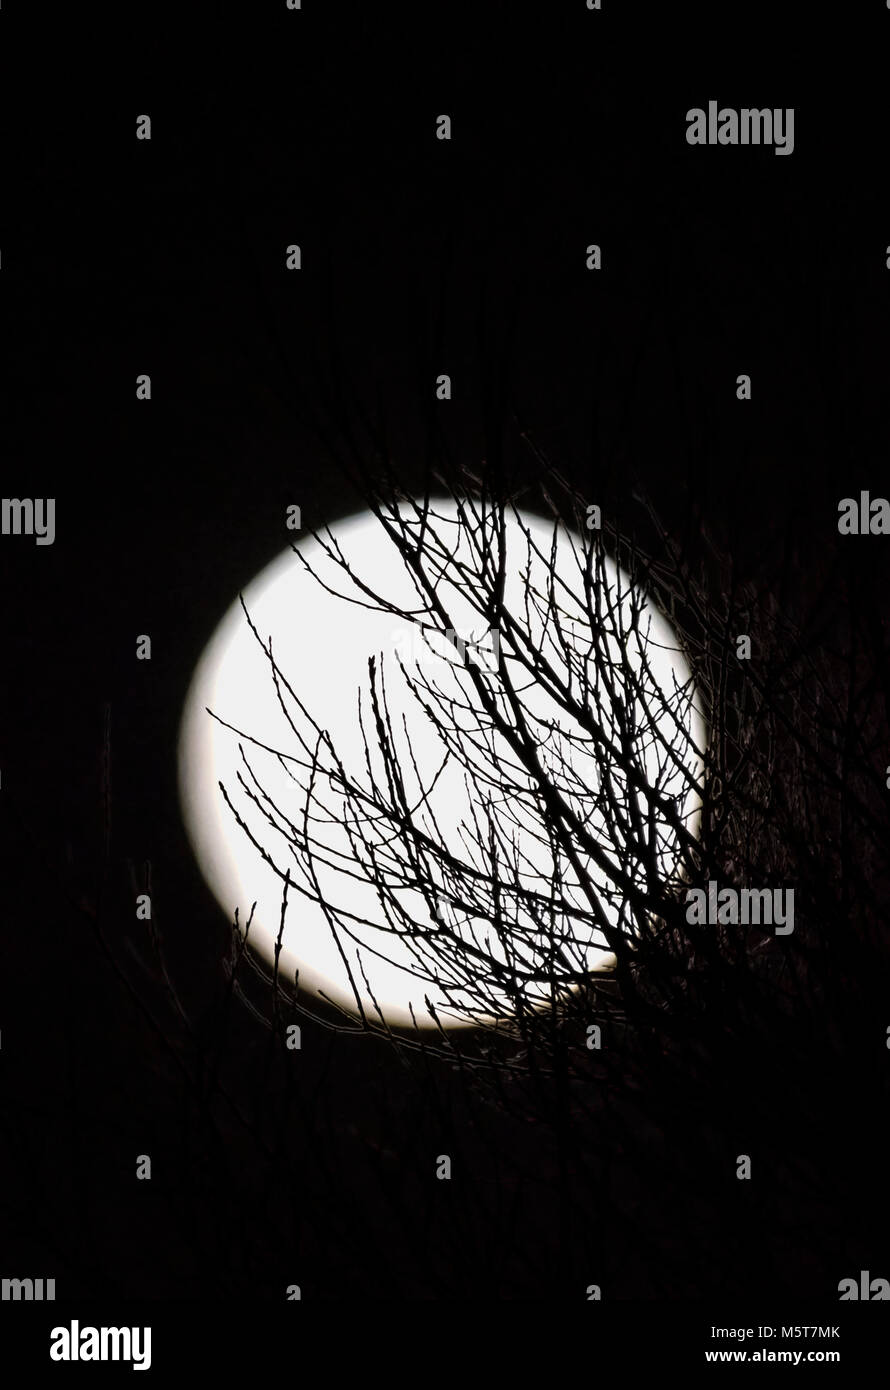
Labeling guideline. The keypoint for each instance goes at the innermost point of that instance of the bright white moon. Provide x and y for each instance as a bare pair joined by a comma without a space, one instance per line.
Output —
322,644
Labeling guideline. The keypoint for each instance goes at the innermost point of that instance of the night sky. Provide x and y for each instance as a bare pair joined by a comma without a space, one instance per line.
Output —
419,256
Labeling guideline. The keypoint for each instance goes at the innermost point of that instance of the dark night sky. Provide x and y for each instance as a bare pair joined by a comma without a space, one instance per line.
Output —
121,257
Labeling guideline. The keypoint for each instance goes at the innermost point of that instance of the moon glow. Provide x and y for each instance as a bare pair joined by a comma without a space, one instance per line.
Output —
322,643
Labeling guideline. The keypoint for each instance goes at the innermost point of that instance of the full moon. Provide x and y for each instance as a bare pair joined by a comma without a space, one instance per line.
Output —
322,643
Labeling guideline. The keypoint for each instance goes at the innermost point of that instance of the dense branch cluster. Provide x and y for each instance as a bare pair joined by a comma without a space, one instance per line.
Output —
560,816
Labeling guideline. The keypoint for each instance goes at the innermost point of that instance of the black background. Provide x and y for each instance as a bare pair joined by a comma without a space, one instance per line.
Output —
121,257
